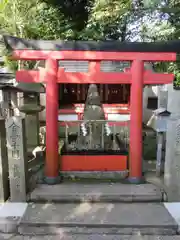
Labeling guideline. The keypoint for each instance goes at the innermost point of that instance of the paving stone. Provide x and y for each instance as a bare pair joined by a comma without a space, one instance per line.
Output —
107,192
109,218
88,237
10,216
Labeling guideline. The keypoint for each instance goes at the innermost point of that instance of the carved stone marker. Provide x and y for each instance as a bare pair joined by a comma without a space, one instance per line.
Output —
4,181
16,145
94,134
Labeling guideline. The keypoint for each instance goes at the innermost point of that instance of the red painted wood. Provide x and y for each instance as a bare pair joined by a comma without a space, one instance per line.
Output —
107,109
99,77
93,163
135,78
105,105
52,167
92,55
135,145
110,123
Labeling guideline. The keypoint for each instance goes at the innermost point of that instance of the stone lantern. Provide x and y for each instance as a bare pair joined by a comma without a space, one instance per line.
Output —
30,106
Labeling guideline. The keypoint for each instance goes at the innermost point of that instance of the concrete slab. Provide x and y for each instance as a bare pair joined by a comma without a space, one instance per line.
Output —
102,192
174,210
95,175
89,237
9,209
109,218
10,216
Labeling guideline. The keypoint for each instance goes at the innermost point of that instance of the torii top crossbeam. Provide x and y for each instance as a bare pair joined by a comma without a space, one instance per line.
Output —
94,52
109,50
106,46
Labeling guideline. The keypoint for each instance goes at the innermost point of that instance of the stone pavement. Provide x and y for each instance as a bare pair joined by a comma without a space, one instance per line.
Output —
88,218
106,192
91,220
95,218
87,237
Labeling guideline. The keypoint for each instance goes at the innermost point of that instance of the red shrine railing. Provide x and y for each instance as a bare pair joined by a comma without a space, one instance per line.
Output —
136,76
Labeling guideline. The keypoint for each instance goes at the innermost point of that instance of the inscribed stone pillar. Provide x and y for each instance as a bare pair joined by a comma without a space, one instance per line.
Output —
172,158
4,176
16,145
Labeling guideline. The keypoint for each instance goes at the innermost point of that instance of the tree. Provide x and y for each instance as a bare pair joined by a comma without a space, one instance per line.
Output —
108,20
16,18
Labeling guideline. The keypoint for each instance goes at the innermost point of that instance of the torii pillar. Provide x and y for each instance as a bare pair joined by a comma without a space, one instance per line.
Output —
52,155
136,111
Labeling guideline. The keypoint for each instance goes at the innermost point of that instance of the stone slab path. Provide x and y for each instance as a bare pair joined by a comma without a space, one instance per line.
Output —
129,221
106,192
87,237
109,218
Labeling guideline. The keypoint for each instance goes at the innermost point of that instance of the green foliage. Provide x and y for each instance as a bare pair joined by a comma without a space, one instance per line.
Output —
51,24
108,20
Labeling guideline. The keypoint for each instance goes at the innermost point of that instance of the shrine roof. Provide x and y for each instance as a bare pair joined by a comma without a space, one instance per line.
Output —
14,43
7,82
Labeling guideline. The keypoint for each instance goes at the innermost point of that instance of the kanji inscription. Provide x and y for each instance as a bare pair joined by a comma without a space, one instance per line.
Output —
14,139
16,155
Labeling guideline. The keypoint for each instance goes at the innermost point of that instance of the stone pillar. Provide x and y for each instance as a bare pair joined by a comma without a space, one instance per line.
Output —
172,158
31,108
4,175
32,131
16,145
6,104
162,96
14,103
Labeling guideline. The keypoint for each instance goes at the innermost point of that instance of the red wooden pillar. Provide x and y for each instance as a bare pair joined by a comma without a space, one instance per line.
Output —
52,160
136,107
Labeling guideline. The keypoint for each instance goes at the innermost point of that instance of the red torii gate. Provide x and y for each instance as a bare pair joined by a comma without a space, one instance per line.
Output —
94,53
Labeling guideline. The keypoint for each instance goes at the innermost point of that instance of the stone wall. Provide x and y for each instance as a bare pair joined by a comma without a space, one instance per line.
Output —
172,158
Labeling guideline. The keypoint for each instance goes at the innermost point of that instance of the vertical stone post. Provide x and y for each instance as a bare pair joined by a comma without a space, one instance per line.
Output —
16,145
172,158
161,137
31,109
32,131
14,104
4,176
136,107
162,96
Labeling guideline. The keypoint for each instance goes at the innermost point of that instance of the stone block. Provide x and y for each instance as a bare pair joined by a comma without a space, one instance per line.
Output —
4,176
10,216
87,218
32,130
16,145
172,163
